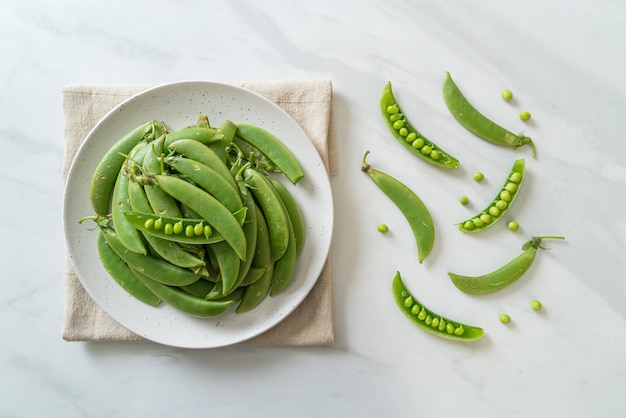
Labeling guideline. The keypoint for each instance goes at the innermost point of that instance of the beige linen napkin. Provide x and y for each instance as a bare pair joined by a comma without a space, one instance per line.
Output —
309,103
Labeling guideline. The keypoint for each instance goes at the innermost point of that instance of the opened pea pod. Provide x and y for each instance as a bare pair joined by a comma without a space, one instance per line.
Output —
500,204
402,129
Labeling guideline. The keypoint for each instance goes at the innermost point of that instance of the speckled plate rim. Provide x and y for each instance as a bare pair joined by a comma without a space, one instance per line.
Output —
179,104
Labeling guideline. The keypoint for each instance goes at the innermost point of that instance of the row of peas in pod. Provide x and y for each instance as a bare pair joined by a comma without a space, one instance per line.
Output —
420,221
193,218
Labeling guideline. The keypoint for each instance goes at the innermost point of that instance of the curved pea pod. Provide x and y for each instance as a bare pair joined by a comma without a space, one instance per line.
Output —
181,230
119,271
127,234
204,135
250,230
505,275
295,215
428,320
411,206
211,210
476,122
203,154
285,266
273,209
162,203
402,129
273,148
107,169
500,204
210,180
183,301
200,288
156,268
256,292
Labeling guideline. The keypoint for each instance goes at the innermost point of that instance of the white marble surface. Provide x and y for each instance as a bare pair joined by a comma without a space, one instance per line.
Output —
565,62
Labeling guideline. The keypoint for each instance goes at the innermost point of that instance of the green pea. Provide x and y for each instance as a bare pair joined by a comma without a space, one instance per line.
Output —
535,305
459,331
486,218
189,231
422,315
477,222
516,177
415,309
408,302
478,176
442,324
207,231
435,323
469,225
501,204
464,200
382,228
198,229
505,319
169,229
505,195
524,115
511,187
450,328
494,211
507,95
513,226
158,224
426,149
149,223
428,320
396,117
398,124
403,132
411,137
178,228
435,155
393,109
418,143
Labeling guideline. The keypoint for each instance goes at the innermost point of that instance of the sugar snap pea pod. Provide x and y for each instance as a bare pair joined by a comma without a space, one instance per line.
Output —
162,202
204,135
167,249
500,204
228,264
209,179
211,210
204,155
250,230
256,292
297,222
285,266
199,289
126,233
183,301
107,169
120,272
272,206
273,148
407,135
476,122
428,320
156,268
254,274
410,205
505,275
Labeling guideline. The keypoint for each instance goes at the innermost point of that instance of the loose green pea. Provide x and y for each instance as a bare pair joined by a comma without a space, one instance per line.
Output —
398,124
408,302
494,211
169,229
393,109
158,224
382,228
469,225
478,176
501,204
513,226
505,319
524,115
418,143
178,228
511,187
507,95
403,132
189,231
464,200
486,218
516,177
149,223
535,305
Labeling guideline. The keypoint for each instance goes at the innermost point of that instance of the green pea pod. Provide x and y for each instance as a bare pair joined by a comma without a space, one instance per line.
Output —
505,275
297,222
127,234
204,135
410,137
119,271
410,205
209,179
476,122
428,320
204,155
256,292
254,274
183,301
250,230
273,209
285,266
107,169
211,210
162,203
199,289
156,268
228,264
273,148
500,204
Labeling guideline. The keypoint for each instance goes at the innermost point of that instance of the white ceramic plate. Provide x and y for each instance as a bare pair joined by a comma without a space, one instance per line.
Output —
179,104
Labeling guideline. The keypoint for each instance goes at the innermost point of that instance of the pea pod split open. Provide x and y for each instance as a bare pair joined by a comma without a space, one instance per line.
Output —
410,205
407,135
476,122
505,275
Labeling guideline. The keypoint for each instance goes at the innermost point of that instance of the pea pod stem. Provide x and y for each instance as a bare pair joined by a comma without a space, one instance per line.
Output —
410,205
477,123
505,275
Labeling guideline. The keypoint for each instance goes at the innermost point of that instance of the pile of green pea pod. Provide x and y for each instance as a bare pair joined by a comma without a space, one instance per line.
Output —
420,221
192,218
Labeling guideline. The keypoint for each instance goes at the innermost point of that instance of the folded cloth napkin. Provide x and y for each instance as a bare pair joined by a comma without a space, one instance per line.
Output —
309,103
